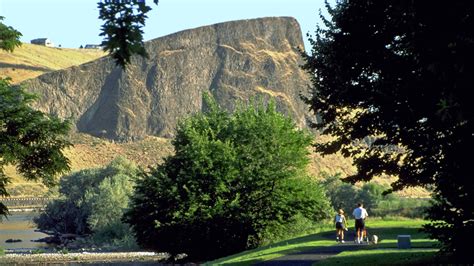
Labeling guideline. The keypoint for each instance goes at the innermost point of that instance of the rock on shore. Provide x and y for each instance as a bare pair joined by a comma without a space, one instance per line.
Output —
109,257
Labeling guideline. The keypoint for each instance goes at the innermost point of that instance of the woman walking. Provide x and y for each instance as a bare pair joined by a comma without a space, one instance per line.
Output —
341,225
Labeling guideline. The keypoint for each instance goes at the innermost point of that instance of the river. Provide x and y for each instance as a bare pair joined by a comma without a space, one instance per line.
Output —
20,225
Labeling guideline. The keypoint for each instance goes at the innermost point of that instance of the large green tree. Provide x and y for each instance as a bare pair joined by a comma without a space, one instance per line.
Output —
401,74
29,139
232,177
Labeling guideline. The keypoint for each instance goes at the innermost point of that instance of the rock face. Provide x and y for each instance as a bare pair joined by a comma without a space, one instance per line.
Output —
233,61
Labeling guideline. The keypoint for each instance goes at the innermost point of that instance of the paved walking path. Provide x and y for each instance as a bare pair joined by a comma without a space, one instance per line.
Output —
311,256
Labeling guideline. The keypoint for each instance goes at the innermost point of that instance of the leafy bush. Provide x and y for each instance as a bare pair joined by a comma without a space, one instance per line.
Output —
345,196
92,202
233,177
405,207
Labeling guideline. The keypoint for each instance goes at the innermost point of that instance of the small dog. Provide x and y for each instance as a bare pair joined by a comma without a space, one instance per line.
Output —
374,239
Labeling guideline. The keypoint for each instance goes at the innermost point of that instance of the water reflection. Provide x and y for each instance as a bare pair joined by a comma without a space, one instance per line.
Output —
20,226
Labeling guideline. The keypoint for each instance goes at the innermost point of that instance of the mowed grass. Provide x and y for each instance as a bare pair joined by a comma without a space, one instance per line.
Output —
316,239
386,252
383,257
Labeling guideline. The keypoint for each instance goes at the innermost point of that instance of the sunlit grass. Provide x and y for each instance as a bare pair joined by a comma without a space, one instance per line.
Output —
386,230
29,60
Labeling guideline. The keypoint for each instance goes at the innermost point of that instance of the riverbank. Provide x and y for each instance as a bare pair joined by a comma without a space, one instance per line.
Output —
125,258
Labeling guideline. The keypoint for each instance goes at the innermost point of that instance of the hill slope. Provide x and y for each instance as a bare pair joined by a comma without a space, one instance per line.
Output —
29,60
234,61
92,152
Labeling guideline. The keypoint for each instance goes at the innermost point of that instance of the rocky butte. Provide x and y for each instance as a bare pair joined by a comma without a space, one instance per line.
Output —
234,61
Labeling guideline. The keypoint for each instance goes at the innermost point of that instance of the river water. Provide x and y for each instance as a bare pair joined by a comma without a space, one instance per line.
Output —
20,225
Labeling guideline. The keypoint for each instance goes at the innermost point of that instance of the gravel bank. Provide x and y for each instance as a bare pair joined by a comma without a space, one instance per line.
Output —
82,257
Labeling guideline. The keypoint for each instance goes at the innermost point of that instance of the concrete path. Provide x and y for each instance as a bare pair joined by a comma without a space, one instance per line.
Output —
311,256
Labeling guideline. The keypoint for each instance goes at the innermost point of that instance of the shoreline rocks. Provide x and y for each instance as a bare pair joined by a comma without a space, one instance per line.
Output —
13,240
88,257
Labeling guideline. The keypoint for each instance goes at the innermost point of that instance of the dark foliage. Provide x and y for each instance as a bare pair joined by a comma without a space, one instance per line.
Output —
122,28
401,73
29,139
232,177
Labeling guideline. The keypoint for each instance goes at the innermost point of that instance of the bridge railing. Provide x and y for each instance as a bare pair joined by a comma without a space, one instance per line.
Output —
25,202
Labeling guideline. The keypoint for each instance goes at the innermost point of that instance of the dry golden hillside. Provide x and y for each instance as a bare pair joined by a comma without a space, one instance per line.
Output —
91,152
29,60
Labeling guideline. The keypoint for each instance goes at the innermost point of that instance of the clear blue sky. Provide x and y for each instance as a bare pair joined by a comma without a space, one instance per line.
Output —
72,23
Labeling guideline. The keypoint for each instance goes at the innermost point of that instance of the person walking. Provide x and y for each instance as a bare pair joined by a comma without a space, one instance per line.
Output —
341,225
360,214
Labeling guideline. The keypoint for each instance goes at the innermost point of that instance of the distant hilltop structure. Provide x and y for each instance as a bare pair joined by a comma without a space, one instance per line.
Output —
43,41
93,46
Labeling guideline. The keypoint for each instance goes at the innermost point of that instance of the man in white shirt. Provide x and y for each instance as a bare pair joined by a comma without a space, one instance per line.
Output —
360,214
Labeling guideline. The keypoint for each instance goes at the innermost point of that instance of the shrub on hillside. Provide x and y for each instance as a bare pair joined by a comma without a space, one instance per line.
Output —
92,202
232,177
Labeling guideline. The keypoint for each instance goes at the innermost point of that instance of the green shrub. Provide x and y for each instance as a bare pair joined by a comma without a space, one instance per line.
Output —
405,207
92,202
37,251
345,196
232,178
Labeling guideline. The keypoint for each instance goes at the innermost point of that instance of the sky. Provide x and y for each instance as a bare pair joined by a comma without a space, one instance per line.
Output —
71,23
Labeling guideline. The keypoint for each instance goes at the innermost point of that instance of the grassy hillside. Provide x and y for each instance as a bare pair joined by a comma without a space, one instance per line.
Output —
90,152
29,60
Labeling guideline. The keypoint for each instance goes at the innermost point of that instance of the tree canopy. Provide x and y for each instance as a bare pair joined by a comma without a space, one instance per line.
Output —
29,139
9,37
232,177
122,28
400,74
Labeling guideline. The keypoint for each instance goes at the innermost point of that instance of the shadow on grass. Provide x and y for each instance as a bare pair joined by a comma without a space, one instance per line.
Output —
385,257
301,249
25,67
259,252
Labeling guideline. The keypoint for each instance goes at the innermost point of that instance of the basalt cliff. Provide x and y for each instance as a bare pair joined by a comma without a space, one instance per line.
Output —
233,61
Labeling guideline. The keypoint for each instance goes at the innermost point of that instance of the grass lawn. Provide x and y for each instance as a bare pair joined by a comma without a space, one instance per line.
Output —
317,239
386,252
383,257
